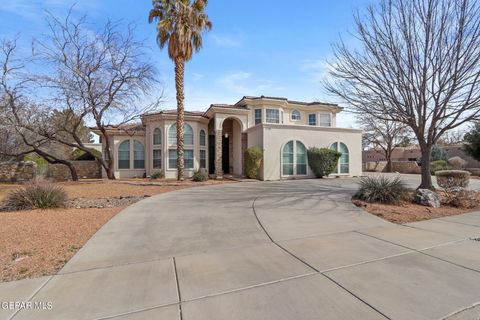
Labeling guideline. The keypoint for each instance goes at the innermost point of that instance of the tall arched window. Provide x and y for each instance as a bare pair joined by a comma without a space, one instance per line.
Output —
124,155
188,134
203,141
294,159
138,155
344,162
157,137
296,115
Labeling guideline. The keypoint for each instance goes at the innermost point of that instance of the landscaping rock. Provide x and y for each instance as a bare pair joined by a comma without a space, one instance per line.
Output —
427,198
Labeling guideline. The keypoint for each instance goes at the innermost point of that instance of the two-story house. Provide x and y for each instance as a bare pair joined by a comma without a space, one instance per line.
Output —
215,140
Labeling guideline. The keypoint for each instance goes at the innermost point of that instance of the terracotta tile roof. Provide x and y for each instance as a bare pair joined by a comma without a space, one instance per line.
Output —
289,101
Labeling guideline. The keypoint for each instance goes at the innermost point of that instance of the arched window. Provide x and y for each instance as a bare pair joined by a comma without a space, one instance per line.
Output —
157,137
296,115
203,141
294,159
138,155
344,162
188,134
124,155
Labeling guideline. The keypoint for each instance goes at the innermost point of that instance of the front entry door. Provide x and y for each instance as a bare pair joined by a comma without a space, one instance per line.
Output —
226,155
211,154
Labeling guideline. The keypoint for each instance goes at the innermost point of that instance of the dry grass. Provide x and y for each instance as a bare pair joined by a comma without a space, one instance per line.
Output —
39,242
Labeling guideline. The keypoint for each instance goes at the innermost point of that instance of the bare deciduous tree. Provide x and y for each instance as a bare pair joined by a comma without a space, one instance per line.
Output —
418,64
103,77
21,119
384,135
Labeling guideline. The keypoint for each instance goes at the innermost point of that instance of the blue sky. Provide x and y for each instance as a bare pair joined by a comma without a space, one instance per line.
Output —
269,47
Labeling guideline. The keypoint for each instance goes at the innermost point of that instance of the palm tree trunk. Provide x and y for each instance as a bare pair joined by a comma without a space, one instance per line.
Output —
179,84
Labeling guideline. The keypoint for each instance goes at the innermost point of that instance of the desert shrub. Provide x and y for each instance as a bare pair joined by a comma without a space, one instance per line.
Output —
36,196
157,175
80,155
253,161
439,165
448,179
200,176
42,164
457,163
382,189
463,198
322,161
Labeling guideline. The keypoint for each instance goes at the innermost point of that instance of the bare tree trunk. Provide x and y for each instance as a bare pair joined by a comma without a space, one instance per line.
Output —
73,171
388,155
426,160
179,84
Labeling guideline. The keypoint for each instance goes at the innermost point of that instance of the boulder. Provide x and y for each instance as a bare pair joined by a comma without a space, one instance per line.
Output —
427,198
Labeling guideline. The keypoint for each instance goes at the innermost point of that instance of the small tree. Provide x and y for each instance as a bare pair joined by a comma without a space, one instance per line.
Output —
472,139
384,135
253,161
323,161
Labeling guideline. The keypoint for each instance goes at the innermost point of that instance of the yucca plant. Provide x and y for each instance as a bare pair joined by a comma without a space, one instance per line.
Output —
36,196
382,189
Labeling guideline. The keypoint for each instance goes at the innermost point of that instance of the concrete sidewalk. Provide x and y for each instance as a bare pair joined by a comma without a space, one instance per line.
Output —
270,250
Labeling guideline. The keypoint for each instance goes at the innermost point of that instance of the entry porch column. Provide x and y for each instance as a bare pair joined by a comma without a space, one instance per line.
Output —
218,154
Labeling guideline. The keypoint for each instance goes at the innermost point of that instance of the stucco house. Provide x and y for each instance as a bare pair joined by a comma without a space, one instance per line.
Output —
215,140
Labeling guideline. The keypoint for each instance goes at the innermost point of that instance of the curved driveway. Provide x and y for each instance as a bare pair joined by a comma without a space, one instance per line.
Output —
269,250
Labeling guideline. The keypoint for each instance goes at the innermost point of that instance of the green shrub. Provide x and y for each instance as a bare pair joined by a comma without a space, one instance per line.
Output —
448,179
200,176
42,164
439,165
253,161
382,189
439,153
36,196
157,175
323,161
80,155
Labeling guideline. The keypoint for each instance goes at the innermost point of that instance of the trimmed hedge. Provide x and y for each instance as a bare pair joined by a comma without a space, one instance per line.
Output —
448,179
322,161
200,176
253,161
382,189
157,174
438,166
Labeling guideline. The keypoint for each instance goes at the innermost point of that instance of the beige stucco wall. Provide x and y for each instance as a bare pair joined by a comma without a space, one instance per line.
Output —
276,136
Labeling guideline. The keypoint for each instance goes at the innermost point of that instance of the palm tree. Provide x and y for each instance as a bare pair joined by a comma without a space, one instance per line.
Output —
180,24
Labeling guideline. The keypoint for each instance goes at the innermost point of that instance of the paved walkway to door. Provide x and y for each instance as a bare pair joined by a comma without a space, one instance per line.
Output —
263,250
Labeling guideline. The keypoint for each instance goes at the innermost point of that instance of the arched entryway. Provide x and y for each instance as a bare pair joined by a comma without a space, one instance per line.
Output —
232,147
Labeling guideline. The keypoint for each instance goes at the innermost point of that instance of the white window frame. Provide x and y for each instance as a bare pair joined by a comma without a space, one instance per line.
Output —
295,173
153,137
153,159
258,121
316,119
320,119
296,115
200,159
277,120
174,125
339,164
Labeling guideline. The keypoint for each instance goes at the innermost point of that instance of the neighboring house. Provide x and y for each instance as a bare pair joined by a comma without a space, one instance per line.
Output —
215,140
413,153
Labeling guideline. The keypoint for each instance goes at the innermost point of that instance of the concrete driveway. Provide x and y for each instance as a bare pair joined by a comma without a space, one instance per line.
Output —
270,250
